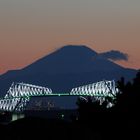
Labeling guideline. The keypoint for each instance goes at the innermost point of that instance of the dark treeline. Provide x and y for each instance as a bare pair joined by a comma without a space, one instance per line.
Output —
127,100
121,120
94,122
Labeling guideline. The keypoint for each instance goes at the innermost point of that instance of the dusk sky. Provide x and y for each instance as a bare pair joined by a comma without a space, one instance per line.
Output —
30,29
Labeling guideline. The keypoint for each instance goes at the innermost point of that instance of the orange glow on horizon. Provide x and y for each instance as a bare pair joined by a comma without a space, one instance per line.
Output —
32,29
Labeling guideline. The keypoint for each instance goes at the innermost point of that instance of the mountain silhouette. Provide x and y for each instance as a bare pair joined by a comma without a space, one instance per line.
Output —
67,67
69,59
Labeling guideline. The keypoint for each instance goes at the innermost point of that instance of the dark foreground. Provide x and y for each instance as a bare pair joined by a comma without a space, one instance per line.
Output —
103,126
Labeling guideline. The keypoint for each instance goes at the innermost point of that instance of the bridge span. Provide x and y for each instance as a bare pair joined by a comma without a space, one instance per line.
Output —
19,94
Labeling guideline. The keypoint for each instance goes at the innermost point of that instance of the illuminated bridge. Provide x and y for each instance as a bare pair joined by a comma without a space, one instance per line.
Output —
19,94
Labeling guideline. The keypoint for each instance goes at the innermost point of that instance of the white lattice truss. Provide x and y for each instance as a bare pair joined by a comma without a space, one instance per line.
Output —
99,90
102,88
19,94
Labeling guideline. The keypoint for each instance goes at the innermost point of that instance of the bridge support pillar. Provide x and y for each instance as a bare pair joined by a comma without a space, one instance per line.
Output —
17,116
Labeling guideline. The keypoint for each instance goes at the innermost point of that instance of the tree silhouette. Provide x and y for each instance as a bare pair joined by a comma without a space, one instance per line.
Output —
127,100
122,119
129,96
90,111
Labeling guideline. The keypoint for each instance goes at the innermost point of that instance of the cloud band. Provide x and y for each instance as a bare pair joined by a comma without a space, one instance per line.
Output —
115,55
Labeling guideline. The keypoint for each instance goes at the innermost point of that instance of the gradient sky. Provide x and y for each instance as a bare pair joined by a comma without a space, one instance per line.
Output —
30,29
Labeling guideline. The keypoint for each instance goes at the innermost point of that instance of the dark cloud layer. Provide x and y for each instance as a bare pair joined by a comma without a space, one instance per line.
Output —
115,55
